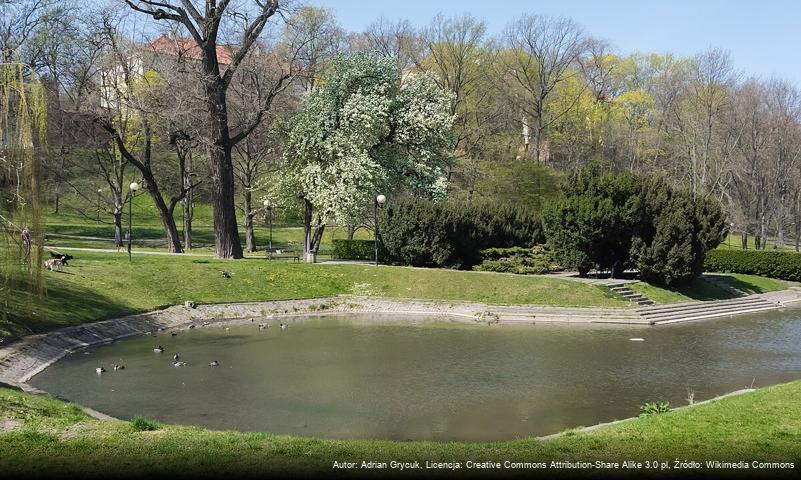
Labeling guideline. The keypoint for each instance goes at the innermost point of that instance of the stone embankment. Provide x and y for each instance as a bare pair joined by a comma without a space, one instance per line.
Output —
25,358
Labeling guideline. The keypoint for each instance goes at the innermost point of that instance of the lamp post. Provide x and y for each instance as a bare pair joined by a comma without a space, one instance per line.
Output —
99,201
133,188
269,207
728,237
380,200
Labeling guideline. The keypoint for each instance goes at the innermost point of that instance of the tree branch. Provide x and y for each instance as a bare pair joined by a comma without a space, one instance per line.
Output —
252,32
158,13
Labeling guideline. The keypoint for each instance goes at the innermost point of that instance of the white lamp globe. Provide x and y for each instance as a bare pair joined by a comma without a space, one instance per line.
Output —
381,199
134,186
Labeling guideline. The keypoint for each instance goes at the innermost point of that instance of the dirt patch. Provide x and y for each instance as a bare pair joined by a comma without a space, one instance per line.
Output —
72,431
9,425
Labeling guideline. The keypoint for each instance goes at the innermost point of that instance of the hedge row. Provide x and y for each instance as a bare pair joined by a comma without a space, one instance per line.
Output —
782,265
353,249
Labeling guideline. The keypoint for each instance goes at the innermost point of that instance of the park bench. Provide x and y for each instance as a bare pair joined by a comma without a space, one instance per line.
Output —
282,254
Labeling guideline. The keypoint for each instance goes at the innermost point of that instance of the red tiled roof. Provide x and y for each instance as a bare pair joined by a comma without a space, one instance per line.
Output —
186,47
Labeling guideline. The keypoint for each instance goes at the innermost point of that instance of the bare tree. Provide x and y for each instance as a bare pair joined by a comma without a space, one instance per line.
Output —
131,103
311,38
22,20
784,103
454,52
750,183
204,22
698,119
542,53
392,39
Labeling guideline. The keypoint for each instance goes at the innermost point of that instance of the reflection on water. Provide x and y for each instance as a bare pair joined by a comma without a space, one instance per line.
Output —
383,378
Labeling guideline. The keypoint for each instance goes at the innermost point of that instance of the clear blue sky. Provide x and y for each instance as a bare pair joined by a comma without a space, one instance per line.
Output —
763,36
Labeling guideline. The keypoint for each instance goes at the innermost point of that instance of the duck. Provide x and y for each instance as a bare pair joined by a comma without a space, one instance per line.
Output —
227,328
159,349
192,326
178,364
214,363
263,326
118,367
174,334
205,324
100,369
284,326
176,357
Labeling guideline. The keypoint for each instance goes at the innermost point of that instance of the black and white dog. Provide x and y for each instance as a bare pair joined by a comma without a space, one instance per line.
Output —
61,256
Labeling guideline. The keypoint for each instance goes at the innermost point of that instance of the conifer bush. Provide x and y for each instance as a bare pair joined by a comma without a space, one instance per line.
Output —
446,234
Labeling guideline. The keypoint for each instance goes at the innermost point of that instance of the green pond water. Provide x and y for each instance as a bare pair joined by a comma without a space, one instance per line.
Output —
386,377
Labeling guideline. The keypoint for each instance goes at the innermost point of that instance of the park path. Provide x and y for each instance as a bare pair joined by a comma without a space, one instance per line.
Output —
123,251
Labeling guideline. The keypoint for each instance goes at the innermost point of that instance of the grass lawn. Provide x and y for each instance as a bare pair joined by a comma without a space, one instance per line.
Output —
734,242
702,290
103,285
148,232
151,237
44,436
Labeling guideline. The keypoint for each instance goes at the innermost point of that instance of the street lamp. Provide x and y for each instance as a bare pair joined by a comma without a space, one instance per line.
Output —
99,202
380,200
133,188
728,237
269,207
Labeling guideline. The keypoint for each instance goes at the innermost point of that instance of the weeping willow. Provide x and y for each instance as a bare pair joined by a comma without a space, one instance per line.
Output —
23,129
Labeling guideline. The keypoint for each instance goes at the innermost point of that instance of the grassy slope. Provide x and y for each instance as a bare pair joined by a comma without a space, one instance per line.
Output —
54,437
703,290
103,285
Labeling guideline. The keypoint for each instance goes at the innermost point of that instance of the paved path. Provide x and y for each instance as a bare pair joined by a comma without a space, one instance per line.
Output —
574,276
123,251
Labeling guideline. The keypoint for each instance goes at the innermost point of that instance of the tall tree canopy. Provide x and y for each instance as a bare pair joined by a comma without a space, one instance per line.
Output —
364,131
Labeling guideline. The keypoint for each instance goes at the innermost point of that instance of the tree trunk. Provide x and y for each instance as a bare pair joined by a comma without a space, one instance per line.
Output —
317,239
250,236
351,232
311,240
188,202
57,200
118,227
188,214
226,232
167,219
617,269
744,240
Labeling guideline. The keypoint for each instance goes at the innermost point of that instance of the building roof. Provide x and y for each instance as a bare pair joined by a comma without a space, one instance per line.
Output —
169,44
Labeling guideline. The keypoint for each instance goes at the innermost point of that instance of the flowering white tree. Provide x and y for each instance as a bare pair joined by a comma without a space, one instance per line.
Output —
362,131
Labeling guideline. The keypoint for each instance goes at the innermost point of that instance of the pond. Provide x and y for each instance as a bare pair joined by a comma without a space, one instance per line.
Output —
385,377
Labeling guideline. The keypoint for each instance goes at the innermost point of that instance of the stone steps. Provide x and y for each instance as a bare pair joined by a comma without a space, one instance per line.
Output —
623,290
700,310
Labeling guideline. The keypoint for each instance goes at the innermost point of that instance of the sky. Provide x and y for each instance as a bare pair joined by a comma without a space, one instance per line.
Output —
763,37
